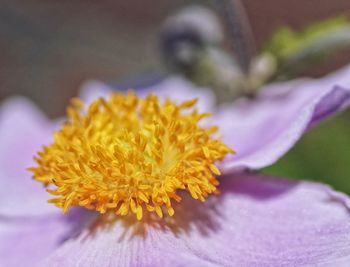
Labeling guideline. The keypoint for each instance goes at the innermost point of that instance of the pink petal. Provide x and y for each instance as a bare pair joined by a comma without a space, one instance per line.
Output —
179,89
264,129
92,89
175,87
23,131
256,221
25,242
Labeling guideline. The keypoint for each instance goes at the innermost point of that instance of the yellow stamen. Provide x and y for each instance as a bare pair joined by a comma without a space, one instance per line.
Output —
130,155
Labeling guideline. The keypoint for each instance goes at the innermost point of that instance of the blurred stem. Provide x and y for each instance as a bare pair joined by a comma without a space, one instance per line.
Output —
239,30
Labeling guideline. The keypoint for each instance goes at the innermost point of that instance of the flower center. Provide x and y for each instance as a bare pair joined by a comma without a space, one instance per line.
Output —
130,155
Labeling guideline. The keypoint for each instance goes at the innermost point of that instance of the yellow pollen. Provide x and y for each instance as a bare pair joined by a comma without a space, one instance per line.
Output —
127,154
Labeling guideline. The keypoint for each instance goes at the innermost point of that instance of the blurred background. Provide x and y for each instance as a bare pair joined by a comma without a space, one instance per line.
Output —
49,48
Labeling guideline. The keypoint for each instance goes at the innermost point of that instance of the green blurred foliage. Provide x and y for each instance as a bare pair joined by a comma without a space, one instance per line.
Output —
323,154
295,51
286,41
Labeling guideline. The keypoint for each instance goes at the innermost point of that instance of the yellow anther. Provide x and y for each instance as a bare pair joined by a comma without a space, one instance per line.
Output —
214,169
130,155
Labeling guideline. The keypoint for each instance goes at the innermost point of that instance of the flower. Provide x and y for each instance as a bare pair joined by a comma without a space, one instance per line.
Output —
255,221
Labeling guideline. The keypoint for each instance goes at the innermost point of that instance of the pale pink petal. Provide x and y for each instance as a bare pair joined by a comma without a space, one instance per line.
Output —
175,87
25,242
92,90
179,89
23,132
263,129
256,221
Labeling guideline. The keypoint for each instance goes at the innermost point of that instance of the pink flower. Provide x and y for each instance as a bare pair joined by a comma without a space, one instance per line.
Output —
255,221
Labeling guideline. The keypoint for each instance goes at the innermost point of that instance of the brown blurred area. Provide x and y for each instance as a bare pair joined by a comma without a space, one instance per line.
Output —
49,47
